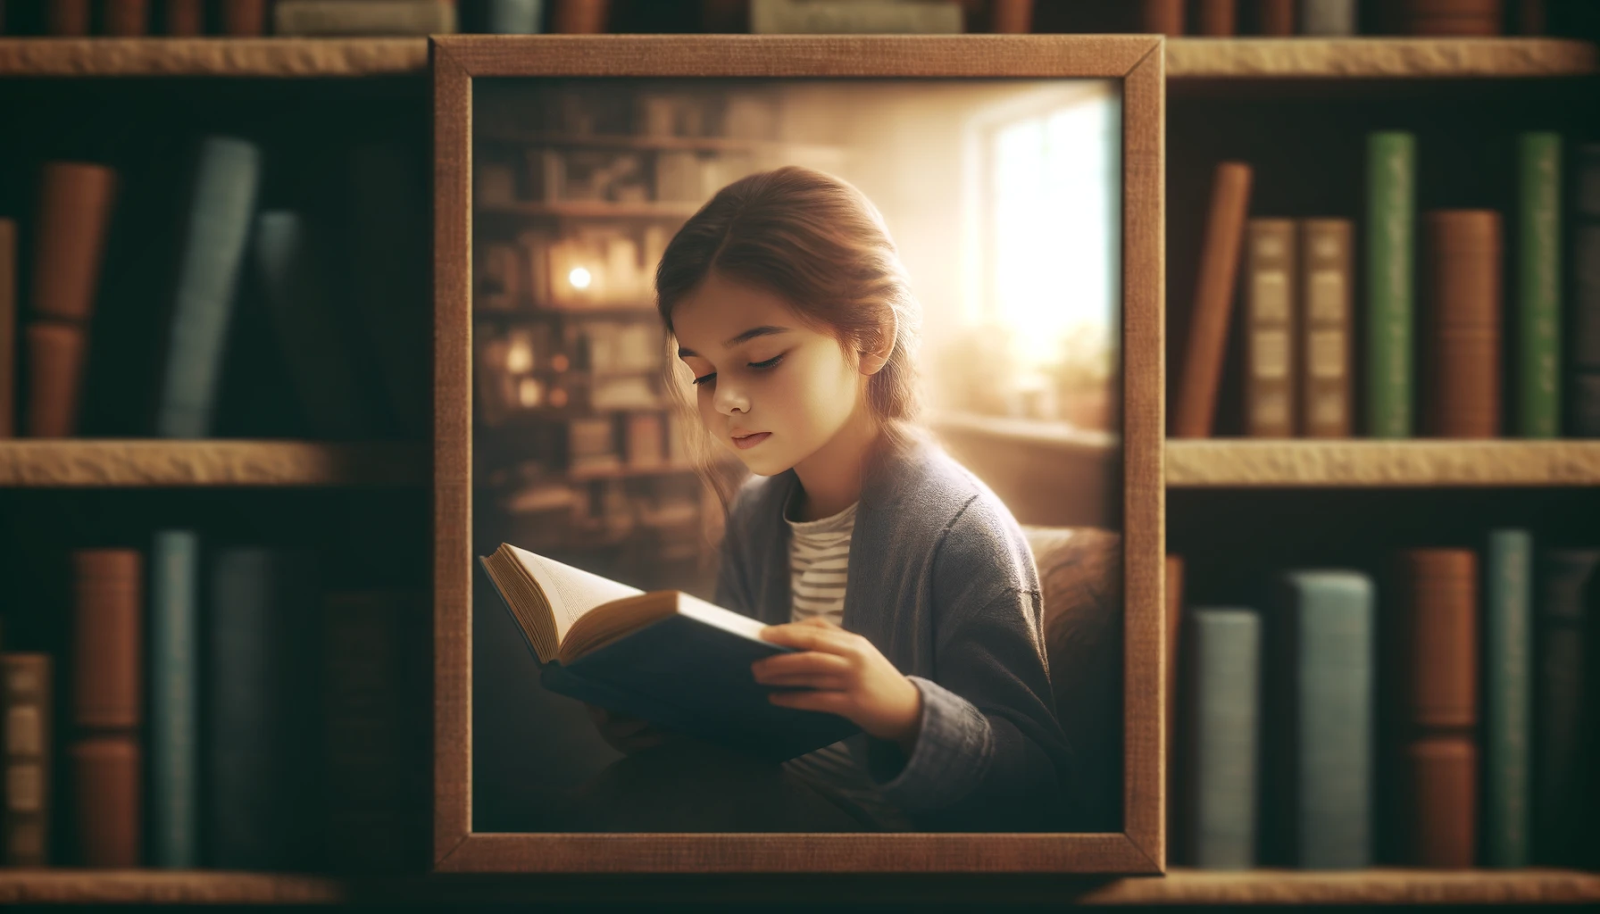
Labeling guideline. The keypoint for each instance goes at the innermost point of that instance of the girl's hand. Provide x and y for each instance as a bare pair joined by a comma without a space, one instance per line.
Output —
624,733
850,676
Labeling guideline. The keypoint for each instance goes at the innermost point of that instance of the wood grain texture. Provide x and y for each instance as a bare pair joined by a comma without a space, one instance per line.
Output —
452,454
290,57
1271,58
1415,463
84,462
1137,61
1107,56
1179,886
1144,422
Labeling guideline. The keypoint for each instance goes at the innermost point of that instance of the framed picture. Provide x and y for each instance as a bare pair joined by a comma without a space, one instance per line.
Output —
1021,178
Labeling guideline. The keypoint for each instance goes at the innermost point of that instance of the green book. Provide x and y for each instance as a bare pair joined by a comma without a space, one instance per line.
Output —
1538,377
1391,233
1508,698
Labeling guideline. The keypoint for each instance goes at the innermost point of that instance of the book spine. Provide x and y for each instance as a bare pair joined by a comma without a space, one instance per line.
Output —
1391,170
515,17
244,18
1270,369
219,221
1539,287
1319,702
67,18
127,18
772,17
108,675
1275,17
1462,351
1585,370
184,18
1437,765
25,699
1508,703
1326,293
1208,330
1218,18
1452,18
1327,18
369,18
1161,17
55,376
106,778
1565,771
174,699
308,330
1226,648
8,328
1172,584
75,200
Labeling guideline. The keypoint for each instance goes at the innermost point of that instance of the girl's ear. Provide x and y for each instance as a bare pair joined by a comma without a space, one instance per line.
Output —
873,359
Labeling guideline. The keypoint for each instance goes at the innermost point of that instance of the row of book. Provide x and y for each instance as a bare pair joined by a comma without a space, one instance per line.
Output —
551,175
1444,723
220,710
586,267
1448,336
255,18
612,366
84,345
1330,18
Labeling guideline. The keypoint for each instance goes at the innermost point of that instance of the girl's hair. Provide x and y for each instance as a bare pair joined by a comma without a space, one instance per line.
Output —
818,243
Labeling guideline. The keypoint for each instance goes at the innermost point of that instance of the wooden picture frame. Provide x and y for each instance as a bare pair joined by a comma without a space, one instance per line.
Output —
1137,62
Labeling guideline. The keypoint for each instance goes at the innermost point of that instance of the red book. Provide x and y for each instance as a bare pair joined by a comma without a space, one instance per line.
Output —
107,647
74,211
1196,396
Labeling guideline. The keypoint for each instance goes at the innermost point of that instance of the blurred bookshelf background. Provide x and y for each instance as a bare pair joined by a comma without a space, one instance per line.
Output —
214,325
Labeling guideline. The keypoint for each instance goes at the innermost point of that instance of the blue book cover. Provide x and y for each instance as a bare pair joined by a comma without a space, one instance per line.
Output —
674,660
220,213
1319,721
174,700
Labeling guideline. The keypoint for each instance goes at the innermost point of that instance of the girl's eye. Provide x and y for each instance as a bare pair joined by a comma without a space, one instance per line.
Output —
769,363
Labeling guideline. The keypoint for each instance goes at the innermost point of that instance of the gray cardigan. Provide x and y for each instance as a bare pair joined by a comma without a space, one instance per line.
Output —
942,581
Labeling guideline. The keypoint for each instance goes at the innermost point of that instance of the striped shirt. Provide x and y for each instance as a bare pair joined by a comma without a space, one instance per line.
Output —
819,557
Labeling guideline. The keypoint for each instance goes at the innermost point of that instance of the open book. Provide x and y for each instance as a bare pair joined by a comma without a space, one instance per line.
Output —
666,656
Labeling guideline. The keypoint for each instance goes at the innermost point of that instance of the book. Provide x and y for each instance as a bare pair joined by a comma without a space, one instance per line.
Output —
174,750
514,17
1213,298
1325,315
1275,17
363,17
127,18
1390,231
1538,320
183,18
1584,372
1564,773
55,377
666,656
856,17
25,691
1224,653
244,18
1507,697
1161,17
223,204
1217,18
106,780
1461,348
1452,18
1317,721
66,18
8,328
1327,18
1270,283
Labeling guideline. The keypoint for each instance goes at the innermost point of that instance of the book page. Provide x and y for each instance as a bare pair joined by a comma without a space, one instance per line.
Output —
571,591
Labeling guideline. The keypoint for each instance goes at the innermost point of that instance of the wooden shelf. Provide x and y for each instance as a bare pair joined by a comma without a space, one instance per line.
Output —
68,462
1179,886
1239,463
1377,58
642,142
269,57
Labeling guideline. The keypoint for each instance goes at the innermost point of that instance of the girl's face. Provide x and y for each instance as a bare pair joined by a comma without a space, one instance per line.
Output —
769,388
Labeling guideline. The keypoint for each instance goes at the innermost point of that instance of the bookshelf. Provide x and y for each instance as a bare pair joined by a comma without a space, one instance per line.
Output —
1360,68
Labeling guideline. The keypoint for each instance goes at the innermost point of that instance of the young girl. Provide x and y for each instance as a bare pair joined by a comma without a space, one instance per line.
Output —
903,581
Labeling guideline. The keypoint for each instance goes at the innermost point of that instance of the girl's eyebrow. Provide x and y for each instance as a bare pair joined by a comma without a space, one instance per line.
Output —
752,333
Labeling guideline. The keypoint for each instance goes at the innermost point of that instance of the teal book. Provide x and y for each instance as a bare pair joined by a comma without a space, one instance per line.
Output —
1391,256
220,213
1224,645
1508,697
665,656
174,700
1318,722
1538,371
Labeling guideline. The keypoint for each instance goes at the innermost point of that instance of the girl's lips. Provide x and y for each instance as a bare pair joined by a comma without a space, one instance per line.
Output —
751,440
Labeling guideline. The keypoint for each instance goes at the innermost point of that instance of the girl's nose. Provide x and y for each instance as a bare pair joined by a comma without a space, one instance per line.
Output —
729,399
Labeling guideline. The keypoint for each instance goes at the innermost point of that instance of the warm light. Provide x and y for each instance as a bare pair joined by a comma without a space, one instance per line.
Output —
519,358
528,392
579,277
558,397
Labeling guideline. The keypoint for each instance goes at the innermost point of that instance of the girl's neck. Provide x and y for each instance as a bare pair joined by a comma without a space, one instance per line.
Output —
831,478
